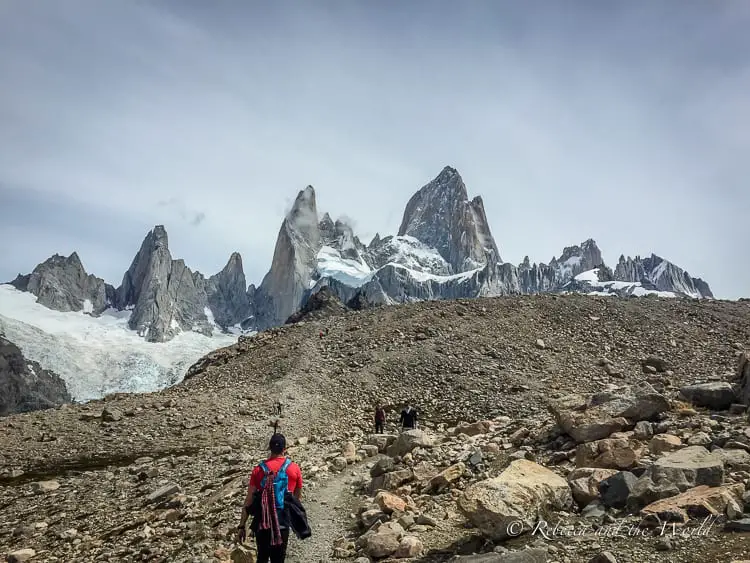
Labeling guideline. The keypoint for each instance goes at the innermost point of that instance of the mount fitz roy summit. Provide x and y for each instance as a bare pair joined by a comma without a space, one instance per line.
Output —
444,249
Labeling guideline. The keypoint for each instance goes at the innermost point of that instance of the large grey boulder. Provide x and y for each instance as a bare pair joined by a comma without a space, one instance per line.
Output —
689,467
587,418
441,216
410,440
716,395
24,385
61,283
675,473
514,501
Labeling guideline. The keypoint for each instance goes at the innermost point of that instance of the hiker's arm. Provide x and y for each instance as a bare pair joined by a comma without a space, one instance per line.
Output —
246,504
298,492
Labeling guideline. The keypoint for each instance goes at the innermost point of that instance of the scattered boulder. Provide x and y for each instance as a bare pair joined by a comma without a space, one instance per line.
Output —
697,502
381,441
339,463
390,503
163,493
611,453
675,473
734,459
41,487
616,489
392,480
241,554
446,478
380,545
410,440
590,418
522,493
657,364
410,546
21,555
584,483
382,466
689,467
716,395
663,443
349,452
111,414
474,428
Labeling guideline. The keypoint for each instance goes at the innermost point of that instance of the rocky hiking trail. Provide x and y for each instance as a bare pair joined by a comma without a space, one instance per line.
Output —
581,388
329,510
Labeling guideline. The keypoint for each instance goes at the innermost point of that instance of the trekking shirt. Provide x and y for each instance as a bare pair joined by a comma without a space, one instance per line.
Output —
293,473
379,415
409,418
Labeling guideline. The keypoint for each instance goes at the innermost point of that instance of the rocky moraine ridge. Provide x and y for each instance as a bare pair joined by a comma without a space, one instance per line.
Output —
24,385
444,249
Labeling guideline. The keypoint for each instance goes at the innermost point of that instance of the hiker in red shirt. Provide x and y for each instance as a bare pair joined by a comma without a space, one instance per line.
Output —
271,537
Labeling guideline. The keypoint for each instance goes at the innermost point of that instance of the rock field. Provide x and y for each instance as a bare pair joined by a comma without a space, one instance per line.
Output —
552,428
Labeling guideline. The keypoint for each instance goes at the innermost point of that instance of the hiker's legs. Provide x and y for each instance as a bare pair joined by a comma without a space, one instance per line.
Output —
263,543
278,553
268,553
378,428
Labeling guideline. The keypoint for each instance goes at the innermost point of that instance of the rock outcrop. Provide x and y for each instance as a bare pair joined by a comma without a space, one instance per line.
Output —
229,298
24,385
659,274
62,284
294,259
444,250
515,500
165,295
441,215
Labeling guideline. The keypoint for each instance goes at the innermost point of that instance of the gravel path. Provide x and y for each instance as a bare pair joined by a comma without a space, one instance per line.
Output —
329,507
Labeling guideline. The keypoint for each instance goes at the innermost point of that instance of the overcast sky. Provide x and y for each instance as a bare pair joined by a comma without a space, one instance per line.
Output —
627,122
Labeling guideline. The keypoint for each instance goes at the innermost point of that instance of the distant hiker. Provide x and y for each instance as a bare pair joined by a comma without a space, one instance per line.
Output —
274,483
277,408
326,331
408,417
321,335
379,419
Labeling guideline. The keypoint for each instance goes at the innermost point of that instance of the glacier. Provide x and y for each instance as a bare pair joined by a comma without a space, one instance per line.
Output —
97,356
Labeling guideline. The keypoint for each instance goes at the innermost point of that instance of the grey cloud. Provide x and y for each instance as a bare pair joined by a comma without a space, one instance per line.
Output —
626,122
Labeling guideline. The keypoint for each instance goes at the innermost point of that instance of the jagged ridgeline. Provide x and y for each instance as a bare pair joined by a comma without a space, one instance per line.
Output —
444,249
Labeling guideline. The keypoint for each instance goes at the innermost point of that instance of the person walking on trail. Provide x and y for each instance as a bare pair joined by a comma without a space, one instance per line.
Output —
269,484
379,419
408,419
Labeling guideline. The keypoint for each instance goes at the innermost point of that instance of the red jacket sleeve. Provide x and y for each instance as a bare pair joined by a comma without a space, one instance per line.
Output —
256,477
295,477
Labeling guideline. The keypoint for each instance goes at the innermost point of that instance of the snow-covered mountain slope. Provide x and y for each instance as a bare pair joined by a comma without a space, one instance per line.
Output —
595,282
98,355
409,252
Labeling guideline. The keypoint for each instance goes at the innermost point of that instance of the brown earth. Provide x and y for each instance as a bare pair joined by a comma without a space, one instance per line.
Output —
457,361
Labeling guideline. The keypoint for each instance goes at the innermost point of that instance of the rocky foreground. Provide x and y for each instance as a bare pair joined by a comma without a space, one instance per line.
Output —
554,429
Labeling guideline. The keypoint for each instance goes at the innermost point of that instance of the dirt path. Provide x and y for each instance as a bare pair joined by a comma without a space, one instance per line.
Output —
328,510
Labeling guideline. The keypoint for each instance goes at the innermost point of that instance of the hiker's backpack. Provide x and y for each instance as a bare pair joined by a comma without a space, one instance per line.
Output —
280,482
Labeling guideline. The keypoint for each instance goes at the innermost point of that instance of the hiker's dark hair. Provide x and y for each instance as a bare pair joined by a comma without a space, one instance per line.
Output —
277,444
